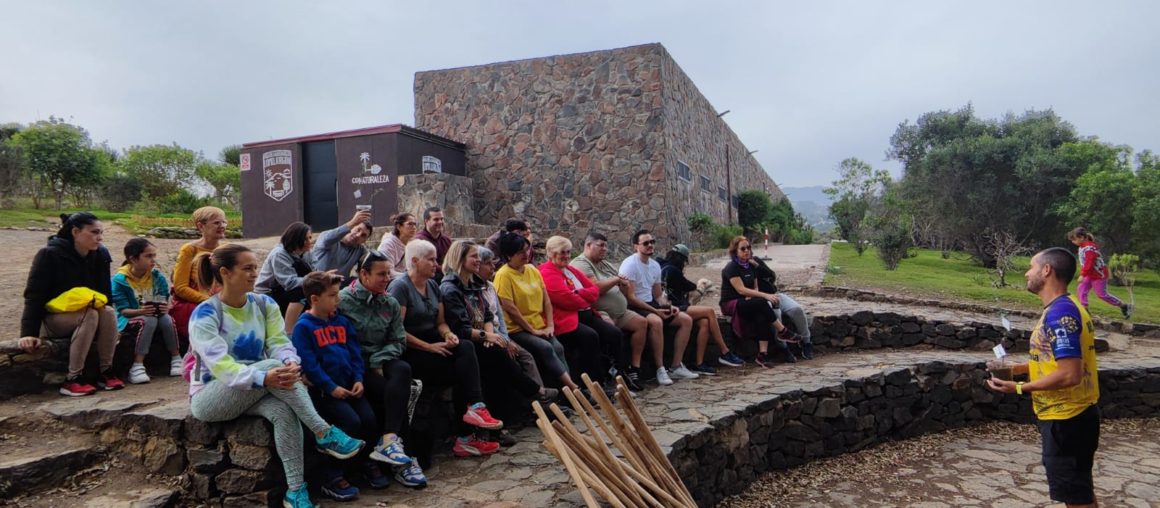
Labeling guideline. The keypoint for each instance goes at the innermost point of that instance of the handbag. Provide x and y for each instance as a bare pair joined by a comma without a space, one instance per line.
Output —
75,299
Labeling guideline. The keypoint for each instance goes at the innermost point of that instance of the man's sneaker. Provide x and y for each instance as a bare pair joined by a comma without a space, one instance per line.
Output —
808,350
298,498
340,490
730,359
663,378
391,452
374,476
704,369
763,360
176,366
411,476
503,437
339,445
548,395
137,374
471,445
632,380
108,381
682,372
75,388
1126,309
477,415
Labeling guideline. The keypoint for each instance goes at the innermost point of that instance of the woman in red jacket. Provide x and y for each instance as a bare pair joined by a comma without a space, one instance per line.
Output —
587,337
1093,272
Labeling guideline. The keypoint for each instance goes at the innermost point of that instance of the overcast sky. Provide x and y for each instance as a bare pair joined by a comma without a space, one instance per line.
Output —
808,83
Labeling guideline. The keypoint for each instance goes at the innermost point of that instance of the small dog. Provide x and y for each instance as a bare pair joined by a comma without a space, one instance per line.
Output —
704,288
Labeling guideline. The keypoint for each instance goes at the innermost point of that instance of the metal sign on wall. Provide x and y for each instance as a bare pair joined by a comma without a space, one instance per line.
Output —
278,174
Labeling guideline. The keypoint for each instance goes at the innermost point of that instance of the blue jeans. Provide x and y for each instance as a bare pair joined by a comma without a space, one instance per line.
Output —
355,417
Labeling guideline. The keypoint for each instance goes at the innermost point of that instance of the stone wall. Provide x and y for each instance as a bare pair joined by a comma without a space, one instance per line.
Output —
452,193
567,142
793,428
870,330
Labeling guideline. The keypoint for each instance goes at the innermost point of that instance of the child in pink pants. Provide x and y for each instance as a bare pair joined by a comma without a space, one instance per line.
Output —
1093,272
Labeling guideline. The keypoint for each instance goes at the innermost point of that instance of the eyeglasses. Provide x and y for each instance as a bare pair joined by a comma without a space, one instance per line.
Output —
411,224
648,243
743,248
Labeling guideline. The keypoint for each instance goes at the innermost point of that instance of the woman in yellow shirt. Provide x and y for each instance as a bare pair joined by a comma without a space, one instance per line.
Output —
210,222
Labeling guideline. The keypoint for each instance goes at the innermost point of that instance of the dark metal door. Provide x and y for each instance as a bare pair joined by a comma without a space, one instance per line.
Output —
320,175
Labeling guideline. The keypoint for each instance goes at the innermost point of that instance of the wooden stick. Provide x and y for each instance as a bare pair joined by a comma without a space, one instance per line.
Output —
589,461
633,413
573,471
618,423
599,446
567,431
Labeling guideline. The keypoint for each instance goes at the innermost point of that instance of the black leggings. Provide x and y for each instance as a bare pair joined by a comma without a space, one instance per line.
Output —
761,317
505,385
582,347
460,371
611,340
392,390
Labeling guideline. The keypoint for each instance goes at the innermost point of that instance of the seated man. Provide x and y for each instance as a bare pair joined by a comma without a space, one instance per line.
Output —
340,248
646,298
518,227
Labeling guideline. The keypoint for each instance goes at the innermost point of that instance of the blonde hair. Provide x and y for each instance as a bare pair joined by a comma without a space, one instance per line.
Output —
456,259
416,249
556,244
205,214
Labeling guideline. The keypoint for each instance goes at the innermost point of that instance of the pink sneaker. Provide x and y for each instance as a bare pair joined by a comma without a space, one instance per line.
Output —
75,388
473,446
110,382
478,415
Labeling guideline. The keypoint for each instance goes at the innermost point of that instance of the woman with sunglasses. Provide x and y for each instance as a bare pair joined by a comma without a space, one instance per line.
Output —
387,379
749,295
394,244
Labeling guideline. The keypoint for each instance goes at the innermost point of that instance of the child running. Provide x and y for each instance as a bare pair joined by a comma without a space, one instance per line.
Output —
140,296
1093,271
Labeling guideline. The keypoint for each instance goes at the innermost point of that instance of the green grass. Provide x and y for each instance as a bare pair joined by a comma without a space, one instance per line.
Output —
133,221
928,275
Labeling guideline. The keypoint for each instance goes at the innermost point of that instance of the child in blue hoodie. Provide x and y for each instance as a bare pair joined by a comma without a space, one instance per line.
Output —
141,298
332,362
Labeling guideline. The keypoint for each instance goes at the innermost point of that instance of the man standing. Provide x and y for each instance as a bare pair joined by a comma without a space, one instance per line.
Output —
613,306
646,297
340,248
1064,384
433,232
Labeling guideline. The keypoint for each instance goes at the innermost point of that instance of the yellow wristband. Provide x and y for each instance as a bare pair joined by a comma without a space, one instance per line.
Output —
1019,388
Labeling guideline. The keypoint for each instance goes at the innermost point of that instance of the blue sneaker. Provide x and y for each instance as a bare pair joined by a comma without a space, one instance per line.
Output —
391,452
375,477
705,369
731,359
297,498
340,490
411,476
339,445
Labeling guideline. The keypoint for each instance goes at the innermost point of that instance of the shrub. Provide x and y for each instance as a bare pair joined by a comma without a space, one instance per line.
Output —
723,234
182,201
121,192
893,241
1123,268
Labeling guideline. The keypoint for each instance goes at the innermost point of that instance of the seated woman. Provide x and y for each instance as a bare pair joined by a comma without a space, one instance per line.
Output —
487,266
677,287
748,296
394,244
74,257
245,364
141,298
210,222
283,270
594,342
387,377
527,310
470,317
435,353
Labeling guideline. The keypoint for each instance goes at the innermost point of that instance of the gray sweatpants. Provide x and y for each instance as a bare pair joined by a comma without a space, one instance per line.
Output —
217,402
148,327
789,308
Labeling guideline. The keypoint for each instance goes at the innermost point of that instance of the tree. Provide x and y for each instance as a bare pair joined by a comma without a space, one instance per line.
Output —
231,155
854,192
1102,193
753,209
225,179
1146,209
60,156
11,163
161,169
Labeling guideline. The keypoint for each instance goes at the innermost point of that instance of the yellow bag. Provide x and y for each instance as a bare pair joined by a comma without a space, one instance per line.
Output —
75,299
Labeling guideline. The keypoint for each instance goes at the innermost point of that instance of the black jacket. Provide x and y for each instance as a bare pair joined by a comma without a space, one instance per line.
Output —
58,268
464,305
677,287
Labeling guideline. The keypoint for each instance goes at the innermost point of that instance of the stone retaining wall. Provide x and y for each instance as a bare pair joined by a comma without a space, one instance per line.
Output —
793,428
870,330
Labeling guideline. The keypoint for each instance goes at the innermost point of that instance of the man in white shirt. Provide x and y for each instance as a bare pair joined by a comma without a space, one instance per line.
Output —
646,297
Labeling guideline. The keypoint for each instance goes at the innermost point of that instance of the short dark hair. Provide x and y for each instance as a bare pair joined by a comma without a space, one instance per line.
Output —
594,236
398,220
135,247
639,233
427,213
295,236
316,283
367,224
511,244
1061,261
513,225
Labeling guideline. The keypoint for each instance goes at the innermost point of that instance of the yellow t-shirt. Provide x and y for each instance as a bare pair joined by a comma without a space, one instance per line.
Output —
526,290
1065,330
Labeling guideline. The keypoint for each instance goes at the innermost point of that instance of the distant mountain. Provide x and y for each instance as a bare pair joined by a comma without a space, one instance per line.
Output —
813,204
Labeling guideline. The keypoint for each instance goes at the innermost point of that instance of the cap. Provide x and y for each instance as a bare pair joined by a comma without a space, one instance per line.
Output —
681,249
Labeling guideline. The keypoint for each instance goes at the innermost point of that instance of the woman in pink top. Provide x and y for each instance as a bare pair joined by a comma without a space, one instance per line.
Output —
394,244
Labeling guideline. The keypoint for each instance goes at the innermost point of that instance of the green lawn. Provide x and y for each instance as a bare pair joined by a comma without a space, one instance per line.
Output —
133,221
929,275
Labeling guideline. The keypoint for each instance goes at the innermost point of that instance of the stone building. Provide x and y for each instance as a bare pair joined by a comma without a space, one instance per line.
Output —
612,140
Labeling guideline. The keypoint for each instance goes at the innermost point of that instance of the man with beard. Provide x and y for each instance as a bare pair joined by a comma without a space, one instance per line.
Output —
1064,385
433,232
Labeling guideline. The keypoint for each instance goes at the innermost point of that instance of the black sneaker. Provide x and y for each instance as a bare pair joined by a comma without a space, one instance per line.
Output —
503,437
632,379
808,350
763,360
1126,309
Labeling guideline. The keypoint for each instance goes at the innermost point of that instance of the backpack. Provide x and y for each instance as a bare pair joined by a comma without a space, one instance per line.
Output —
191,362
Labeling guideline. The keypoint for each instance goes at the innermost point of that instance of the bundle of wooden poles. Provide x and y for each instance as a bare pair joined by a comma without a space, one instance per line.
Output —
637,474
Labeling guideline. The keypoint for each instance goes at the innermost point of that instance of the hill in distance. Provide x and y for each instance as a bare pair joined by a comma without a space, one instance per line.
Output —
811,203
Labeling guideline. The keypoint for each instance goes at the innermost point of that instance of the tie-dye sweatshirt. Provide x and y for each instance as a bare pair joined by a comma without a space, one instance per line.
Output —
227,340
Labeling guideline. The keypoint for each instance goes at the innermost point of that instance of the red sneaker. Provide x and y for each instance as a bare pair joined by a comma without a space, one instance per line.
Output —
473,446
75,388
479,416
110,382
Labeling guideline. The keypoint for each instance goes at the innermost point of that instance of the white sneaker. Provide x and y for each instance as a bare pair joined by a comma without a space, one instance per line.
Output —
681,372
176,366
663,378
137,374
